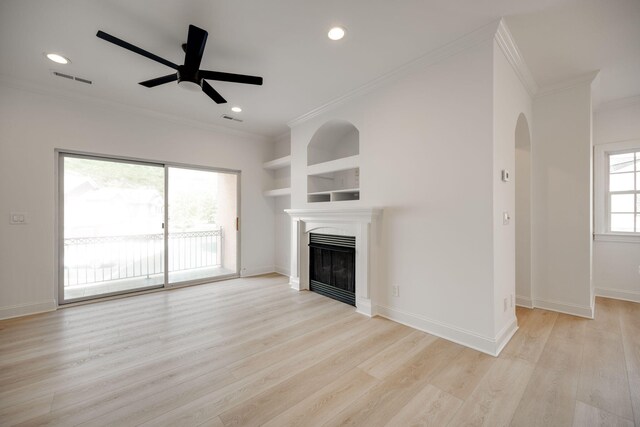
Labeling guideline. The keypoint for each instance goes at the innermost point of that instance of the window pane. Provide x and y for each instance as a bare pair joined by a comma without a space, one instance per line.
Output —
637,223
621,162
622,222
622,202
621,182
638,179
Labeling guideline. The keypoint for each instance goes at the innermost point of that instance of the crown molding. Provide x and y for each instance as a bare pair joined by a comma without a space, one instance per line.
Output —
32,87
459,45
619,103
568,84
508,46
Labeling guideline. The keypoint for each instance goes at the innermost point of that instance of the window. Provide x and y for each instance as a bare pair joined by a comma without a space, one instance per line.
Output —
617,191
623,192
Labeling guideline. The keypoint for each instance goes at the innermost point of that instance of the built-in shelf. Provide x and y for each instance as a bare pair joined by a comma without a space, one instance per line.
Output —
282,176
333,163
280,163
334,195
278,192
337,165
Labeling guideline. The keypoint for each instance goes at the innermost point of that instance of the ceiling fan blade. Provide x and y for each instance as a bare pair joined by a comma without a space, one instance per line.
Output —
135,49
160,80
229,77
213,94
196,41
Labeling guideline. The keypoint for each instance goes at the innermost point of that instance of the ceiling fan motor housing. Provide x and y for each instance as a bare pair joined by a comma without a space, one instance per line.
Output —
191,76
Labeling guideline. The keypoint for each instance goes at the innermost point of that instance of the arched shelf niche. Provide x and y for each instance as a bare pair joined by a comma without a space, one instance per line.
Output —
333,163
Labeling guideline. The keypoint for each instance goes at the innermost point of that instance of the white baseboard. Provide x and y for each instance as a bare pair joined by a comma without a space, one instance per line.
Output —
294,282
248,272
282,270
633,296
27,309
573,309
504,336
364,306
470,339
524,302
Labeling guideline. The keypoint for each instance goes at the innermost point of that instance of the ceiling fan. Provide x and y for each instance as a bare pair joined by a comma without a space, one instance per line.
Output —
188,75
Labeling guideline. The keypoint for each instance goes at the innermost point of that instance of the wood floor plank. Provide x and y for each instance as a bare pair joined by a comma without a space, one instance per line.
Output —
430,407
528,344
385,400
496,398
630,329
393,357
88,373
16,414
603,381
321,405
348,328
274,401
252,351
101,410
589,416
210,406
464,373
549,398
607,316
213,422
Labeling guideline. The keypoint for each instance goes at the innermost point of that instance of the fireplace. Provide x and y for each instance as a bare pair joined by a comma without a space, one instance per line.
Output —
361,225
332,266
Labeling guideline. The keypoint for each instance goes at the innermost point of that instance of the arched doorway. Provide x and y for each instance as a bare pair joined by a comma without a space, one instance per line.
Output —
523,211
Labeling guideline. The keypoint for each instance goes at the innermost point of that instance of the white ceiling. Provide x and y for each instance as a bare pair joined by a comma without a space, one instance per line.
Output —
285,42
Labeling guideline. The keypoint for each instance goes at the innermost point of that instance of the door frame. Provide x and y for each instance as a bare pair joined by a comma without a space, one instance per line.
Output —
60,154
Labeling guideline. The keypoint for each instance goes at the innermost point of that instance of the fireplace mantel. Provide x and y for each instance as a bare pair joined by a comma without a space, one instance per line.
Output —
362,223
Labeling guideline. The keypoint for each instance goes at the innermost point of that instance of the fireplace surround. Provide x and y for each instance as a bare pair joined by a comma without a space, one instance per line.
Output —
362,224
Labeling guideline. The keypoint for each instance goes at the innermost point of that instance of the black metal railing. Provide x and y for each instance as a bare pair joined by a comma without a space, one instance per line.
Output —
105,258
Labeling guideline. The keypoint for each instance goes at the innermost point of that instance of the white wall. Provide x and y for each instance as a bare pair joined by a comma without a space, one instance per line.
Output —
282,238
561,219
511,100
426,158
282,235
33,124
616,264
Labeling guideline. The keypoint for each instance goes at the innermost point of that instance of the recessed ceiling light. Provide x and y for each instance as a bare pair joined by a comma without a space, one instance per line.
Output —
58,58
236,109
336,33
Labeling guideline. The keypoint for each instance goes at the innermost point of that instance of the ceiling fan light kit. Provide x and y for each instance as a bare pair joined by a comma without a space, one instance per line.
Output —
188,75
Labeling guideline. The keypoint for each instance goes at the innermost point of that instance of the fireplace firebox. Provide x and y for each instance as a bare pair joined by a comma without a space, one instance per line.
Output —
332,266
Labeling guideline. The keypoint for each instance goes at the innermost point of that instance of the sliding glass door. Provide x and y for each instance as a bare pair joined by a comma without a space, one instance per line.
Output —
112,230
202,224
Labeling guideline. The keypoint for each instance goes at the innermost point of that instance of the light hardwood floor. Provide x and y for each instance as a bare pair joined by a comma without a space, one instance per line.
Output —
252,351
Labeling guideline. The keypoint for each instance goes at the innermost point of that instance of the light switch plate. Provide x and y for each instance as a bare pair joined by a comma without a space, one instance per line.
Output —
505,218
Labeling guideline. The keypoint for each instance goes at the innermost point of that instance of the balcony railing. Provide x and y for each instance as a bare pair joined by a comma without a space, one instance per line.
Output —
101,259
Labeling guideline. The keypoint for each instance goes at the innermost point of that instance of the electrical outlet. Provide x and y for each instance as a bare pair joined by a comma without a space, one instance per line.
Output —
505,304
396,290
18,218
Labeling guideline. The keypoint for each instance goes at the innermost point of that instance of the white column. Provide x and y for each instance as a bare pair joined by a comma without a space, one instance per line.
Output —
294,277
